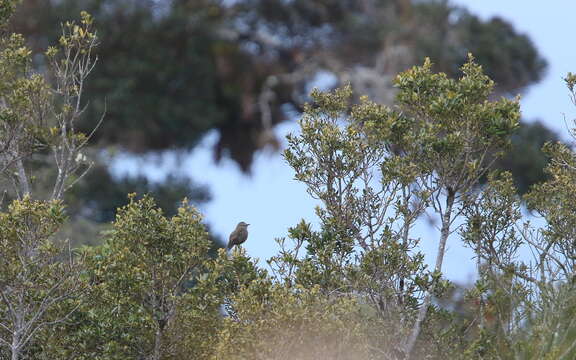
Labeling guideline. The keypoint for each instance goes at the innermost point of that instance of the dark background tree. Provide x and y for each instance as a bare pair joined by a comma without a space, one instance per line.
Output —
153,290
526,160
170,71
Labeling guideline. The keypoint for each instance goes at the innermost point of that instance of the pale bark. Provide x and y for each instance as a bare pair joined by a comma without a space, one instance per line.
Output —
423,311
157,345
23,179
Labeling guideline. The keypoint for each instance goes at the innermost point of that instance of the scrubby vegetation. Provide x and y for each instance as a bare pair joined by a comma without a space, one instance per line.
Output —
356,287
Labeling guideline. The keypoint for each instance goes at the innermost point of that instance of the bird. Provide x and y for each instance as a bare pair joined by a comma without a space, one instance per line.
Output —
238,236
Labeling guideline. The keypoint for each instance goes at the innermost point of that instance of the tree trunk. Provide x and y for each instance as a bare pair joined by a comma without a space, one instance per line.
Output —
444,233
157,345
23,179
15,348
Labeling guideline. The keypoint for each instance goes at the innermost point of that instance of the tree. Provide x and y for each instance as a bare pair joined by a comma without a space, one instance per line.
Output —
528,302
37,274
140,274
177,69
156,290
455,130
525,160
376,171
39,123
40,278
491,231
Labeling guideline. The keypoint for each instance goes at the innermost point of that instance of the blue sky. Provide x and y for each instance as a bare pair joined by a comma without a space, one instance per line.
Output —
272,202
550,25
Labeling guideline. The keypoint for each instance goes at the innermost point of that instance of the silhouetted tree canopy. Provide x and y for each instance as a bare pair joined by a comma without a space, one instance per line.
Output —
170,71
526,160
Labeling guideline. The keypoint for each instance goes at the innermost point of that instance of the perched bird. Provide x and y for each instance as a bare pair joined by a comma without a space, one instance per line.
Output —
239,235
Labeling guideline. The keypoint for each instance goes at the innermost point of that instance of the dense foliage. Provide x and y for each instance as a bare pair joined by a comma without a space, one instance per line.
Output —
169,71
172,70
356,287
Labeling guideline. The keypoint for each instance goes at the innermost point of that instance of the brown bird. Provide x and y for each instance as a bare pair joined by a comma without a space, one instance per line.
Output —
238,236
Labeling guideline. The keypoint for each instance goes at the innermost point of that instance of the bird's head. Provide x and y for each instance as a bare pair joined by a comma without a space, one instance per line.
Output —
242,224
